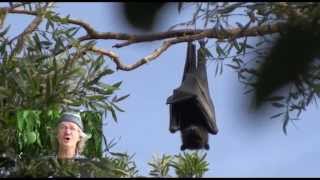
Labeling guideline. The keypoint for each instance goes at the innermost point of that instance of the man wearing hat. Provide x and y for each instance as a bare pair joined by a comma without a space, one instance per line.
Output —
70,135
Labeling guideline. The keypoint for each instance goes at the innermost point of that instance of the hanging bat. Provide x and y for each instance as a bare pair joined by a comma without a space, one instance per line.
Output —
191,108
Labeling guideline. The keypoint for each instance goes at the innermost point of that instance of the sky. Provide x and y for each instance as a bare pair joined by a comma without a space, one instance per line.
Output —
246,145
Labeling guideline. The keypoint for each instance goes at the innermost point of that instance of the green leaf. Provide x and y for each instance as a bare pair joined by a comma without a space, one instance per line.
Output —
285,123
276,115
236,45
114,116
115,106
239,25
5,91
67,101
316,87
277,104
96,97
246,45
47,25
217,68
260,43
20,122
46,43
180,6
117,85
38,140
107,89
65,20
208,53
72,72
37,40
252,71
51,24
275,98
72,31
92,106
75,31
90,43
233,66
100,75
3,48
107,71
31,137
5,31
219,50
121,98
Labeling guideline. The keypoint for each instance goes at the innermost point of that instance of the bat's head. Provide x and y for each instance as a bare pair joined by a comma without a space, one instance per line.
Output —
194,137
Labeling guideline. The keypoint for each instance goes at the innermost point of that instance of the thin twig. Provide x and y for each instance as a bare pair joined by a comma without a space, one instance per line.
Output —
156,53
28,30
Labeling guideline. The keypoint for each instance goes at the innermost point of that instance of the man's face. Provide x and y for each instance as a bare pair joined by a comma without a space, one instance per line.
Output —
68,134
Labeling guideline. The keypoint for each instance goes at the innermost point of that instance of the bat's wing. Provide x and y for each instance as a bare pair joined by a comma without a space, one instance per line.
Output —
204,100
179,109
182,93
194,89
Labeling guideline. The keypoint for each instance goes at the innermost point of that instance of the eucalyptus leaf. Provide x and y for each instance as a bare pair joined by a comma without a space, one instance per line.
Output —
31,137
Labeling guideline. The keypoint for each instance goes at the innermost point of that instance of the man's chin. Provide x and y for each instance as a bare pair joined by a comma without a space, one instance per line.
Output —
67,144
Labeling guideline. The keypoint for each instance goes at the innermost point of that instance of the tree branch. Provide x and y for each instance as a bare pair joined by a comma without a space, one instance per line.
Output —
211,33
90,30
156,53
29,29
131,38
169,37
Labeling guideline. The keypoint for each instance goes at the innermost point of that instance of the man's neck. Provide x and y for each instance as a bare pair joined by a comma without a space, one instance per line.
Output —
66,153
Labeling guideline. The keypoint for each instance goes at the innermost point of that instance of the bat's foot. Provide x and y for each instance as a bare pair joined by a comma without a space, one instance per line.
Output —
207,147
183,147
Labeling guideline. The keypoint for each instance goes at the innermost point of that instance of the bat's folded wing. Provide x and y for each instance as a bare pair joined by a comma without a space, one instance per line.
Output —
192,90
205,105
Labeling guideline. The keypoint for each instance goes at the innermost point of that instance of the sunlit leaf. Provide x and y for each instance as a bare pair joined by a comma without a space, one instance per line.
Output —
31,137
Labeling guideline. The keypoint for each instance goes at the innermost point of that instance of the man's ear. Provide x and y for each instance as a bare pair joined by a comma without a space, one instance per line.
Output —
57,138
79,135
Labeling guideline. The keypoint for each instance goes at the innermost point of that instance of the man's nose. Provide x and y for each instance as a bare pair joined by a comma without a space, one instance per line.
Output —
67,131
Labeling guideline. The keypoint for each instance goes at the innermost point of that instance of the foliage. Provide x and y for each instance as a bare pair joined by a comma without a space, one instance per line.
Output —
118,165
40,79
246,53
190,165
93,126
51,167
186,165
160,165
48,166
124,165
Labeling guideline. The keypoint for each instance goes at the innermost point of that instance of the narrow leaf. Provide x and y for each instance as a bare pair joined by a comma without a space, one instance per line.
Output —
121,98
180,6
276,115
275,98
